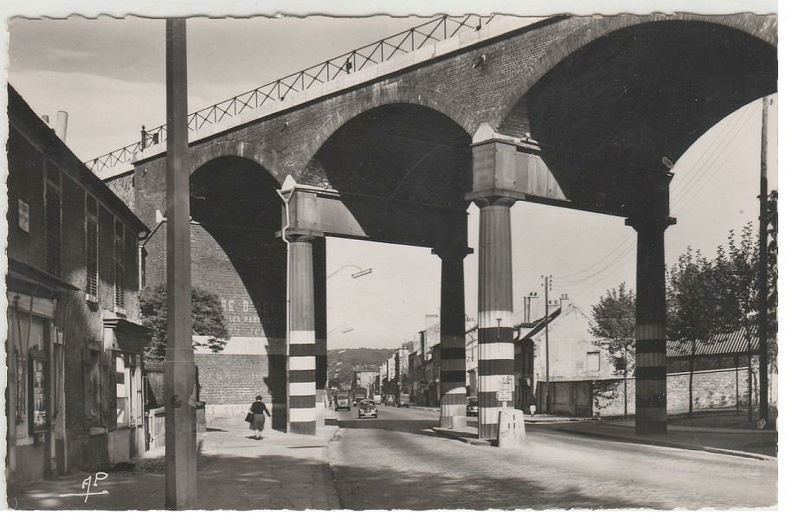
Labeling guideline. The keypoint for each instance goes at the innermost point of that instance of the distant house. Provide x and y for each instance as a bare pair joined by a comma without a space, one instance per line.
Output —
74,340
582,379
423,367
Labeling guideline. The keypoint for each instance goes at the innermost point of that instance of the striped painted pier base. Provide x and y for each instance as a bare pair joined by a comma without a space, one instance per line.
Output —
302,383
496,370
453,393
495,334
650,379
453,373
302,338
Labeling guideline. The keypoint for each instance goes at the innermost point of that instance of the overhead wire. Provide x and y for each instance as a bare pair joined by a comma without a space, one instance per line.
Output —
708,161
714,159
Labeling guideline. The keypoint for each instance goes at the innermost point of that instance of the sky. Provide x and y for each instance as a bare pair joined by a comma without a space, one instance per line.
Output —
109,74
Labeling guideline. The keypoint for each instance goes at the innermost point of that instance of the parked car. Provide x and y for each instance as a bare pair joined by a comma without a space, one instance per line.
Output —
390,399
404,400
472,407
367,409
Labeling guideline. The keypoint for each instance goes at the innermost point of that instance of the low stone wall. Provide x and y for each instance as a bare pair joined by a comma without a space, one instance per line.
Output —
715,389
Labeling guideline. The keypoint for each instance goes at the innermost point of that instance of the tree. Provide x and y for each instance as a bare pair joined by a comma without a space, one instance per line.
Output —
614,327
207,319
695,310
738,267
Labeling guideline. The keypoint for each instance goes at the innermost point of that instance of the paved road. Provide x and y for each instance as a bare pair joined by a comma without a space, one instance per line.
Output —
392,462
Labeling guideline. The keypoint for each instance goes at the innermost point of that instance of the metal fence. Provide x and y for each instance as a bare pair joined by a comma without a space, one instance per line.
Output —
370,55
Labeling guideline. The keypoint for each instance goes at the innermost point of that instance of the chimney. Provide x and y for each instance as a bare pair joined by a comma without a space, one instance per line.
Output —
60,124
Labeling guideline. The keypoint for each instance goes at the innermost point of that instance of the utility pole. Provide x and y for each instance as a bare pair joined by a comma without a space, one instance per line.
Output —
763,406
548,282
624,371
180,436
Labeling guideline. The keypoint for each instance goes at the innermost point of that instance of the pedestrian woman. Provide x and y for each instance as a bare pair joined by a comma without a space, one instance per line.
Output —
258,409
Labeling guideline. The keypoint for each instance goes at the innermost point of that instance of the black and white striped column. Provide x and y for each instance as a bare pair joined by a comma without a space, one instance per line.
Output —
302,339
650,331
650,218
495,334
452,334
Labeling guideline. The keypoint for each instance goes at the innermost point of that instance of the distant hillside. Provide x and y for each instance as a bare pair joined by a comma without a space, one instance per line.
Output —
341,363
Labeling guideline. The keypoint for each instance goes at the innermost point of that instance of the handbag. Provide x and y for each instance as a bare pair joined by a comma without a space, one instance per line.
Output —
249,417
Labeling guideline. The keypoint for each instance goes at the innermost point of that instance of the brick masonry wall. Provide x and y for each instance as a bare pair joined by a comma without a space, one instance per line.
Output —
711,390
124,187
231,379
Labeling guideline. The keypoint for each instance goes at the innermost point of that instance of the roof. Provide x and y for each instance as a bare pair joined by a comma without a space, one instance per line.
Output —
22,117
724,344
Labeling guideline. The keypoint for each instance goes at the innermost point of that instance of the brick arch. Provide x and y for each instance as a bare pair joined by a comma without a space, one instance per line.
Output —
764,28
389,94
201,156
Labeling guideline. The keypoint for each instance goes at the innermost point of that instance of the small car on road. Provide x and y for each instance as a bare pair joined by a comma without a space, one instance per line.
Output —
342,401
367,409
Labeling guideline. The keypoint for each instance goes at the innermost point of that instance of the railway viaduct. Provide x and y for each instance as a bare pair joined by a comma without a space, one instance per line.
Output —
569,111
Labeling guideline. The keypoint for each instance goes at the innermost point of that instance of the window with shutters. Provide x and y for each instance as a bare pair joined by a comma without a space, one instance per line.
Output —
120,268
52,204
91,249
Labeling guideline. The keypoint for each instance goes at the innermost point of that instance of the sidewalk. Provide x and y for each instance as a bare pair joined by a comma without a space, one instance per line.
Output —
723,433
281,471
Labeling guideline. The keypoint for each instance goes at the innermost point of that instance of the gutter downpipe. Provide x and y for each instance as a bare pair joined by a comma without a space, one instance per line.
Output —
285,193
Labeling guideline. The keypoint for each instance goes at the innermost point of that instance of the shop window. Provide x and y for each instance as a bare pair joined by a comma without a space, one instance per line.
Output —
29,340
39,402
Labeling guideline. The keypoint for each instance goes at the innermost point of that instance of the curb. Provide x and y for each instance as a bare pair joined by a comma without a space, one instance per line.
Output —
454,435
424,408
669,444
532,421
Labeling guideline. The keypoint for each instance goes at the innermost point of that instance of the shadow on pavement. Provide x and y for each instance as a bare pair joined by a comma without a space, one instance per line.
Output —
410,426
259,482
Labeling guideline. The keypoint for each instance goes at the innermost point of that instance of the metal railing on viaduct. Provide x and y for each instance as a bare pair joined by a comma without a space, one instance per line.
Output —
405,42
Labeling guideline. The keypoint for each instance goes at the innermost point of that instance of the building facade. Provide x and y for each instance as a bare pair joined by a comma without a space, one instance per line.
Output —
74,343
575,362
